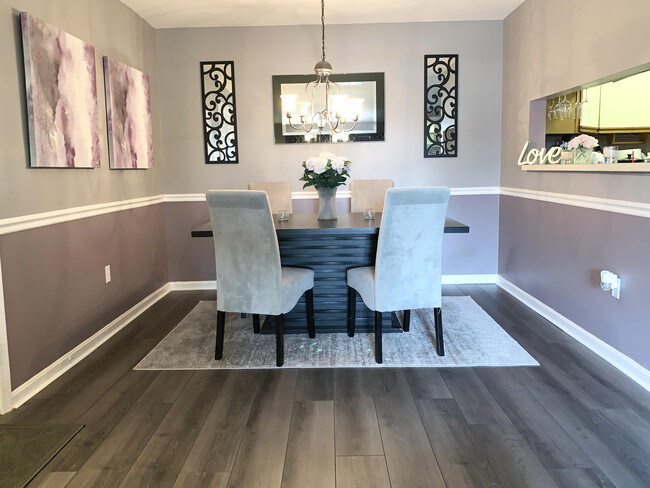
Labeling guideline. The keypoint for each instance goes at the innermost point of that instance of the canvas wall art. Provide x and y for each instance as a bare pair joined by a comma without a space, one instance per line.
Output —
61,87
128,113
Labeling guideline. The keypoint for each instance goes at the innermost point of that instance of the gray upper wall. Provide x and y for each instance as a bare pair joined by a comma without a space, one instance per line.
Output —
396,49
114,30
555,45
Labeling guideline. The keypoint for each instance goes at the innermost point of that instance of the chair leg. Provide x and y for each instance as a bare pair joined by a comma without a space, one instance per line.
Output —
256,323
407,320
309,299
352,310
440,346
221,323
279,340
378,327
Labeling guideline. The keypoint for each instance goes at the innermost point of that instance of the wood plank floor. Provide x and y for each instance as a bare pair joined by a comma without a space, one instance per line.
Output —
573,422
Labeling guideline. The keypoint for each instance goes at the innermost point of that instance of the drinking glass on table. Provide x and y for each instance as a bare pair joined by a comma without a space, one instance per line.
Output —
283,215
369,214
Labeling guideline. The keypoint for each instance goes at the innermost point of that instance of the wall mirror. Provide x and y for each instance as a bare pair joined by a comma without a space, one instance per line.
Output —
369,127
615,110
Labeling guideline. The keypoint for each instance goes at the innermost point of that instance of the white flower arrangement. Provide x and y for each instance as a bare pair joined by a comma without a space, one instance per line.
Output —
327,170
583,140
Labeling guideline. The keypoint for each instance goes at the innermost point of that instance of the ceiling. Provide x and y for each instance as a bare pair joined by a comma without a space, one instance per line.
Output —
220,13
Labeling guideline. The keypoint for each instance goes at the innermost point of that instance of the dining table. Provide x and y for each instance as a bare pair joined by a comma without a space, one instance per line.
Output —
330,248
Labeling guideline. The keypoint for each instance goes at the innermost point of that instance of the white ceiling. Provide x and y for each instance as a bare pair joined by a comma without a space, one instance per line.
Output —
219,13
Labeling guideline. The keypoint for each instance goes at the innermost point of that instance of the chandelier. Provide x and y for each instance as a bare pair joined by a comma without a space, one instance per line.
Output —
338,112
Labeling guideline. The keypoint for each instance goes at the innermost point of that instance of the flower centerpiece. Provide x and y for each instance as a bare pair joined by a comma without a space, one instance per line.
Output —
583,148
326,172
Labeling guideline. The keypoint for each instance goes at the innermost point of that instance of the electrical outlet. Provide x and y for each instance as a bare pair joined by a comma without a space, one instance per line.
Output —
107,273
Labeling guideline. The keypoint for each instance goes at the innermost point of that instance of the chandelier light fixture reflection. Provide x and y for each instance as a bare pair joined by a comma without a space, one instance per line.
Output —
339,112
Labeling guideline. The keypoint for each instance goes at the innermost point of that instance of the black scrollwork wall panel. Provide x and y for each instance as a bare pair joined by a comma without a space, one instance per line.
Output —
440,106
219,114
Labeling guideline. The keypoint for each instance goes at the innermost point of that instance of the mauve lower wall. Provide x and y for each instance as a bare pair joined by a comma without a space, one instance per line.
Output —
54,289
555,253
192,259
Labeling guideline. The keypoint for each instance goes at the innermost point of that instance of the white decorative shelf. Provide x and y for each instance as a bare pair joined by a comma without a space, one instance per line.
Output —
590,168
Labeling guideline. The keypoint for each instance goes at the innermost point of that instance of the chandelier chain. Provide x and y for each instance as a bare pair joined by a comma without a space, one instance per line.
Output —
322,22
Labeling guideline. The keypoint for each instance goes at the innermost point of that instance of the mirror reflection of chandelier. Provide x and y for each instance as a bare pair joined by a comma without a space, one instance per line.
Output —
339,112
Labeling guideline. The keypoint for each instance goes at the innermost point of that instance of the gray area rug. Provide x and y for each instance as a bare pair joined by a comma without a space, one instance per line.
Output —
25,450
472,338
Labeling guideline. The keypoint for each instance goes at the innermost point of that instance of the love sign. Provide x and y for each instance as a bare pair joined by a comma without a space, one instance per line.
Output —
540,156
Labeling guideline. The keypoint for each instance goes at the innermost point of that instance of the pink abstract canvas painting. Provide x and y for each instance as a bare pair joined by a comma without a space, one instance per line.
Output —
61,89
128,110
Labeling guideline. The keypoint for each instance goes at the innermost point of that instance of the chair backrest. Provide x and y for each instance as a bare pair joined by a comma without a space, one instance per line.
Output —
246,248
368,194
409,249
279,193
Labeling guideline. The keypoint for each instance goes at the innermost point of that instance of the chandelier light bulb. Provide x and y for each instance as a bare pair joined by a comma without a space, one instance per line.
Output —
303,108
289,104
338,105
354,108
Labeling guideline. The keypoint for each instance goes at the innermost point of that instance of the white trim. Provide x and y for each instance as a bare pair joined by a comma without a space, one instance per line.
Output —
616,358
446,280
475,190
38,382
604,204
312,195
193,285
184,197
33,221
470,279
5,372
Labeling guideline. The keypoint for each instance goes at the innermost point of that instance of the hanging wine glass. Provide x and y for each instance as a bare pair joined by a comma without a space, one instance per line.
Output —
565,108
585,106
558,109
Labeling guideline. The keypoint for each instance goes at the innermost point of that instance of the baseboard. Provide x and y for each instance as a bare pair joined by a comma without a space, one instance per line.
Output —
626,365
5,374
478,279
38,382
193,285
469,279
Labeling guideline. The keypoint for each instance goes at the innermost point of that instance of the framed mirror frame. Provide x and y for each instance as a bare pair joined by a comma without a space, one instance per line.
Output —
440,105
219,112
279,80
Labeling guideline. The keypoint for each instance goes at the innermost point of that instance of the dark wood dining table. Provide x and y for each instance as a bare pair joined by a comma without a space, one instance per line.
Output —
330,248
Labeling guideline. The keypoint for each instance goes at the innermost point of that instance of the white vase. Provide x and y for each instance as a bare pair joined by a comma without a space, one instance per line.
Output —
327,204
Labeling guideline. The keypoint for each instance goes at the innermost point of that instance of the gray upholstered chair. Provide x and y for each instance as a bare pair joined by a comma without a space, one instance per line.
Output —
250,277
368,194
279,193
407,269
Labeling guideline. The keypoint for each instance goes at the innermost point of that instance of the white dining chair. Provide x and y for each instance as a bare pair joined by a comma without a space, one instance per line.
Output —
407,270
251,279
279,193
365,194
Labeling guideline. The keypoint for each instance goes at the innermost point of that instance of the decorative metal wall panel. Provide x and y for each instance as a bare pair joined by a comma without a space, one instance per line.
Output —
441,106
219,114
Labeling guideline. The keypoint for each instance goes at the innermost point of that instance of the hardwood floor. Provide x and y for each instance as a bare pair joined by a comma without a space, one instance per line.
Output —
573,422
